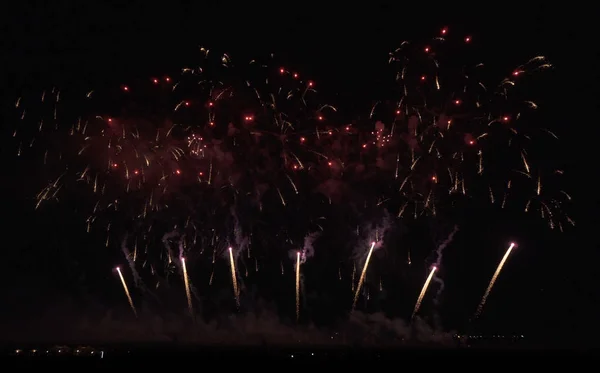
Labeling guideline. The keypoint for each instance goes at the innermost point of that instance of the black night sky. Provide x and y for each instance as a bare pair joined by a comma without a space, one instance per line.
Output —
548,290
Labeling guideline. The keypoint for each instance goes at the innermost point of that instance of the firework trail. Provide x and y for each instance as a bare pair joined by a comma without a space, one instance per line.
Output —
234,282
362,275
298,286
423,291
188,293
127,292
493,280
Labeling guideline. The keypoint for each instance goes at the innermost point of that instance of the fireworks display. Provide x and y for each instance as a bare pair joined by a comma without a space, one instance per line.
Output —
238,160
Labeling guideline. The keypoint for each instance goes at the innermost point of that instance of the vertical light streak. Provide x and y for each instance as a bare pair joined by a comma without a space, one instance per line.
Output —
297,286
362,276
493,280
127,292
188,293
234,278
423,291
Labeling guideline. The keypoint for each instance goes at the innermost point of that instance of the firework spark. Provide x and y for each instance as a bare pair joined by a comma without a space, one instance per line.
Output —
127,292
297,286
188,293
423,291
363,275
493,280
234,282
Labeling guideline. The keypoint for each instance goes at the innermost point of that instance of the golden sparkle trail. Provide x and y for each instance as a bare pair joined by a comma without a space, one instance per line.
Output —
493,280
188,293
127,292
297,286
362,276
234,278
423,291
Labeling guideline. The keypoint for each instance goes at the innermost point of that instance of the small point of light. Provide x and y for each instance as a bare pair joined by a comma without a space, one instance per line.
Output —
155,81
109,120
230,248
397,112
444,31
471,142
302,139
178,172
329,163
434,267
433,178
505,118
210,104
295,75
168,79
468,39
310,84
456,102
115,165
282,70
347,128
364,146
516,73
295,167
320,117
136,172
212,123
423,77
426,49
187,103
125,88
118,268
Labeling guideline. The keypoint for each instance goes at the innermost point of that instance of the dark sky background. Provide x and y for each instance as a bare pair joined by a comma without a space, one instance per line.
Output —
550,289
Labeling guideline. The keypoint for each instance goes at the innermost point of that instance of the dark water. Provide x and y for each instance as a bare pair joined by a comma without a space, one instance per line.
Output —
244,354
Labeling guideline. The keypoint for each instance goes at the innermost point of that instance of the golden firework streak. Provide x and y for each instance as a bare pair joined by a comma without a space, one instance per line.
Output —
298,286
127,291
423,291
188,293
234,278
362,275
493,281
